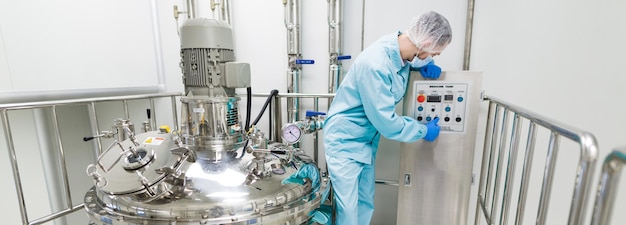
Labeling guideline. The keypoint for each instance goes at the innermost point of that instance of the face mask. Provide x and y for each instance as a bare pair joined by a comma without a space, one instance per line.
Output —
417,62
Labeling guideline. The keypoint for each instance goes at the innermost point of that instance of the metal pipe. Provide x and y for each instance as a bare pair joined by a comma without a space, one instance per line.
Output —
294,49
277,121
335,43
492,154
16,172
496,190
548,178
483,169
174,113
315,135
363,25
586,167
126,113
152,115
225,6
49,158
510,170
191,9
528,162
53,216
156,34
93,121
32,105
64,176
608,186
469,27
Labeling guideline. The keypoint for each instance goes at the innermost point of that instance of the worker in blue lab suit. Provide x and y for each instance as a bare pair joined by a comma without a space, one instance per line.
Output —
364,109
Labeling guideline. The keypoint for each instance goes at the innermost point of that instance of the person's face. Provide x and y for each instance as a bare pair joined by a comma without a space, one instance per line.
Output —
421,54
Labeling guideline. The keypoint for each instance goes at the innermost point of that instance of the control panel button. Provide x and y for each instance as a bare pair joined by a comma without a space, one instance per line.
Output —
448,109
428,118
420,108
420,118
460,99
421,98
447,119
458,119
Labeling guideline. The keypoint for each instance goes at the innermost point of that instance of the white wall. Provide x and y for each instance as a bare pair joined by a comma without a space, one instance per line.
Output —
558,58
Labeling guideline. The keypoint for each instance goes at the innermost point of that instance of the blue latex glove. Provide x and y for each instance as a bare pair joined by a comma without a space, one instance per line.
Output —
433,130
430,71
306,171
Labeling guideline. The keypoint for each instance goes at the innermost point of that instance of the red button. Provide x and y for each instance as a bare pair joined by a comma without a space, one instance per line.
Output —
421,98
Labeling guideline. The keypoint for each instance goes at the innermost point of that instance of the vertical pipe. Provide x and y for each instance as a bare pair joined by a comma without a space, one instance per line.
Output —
292,23
496,190
156,34
548,177
152,115
191,9
510,170
126,113
335,43
526,170
607,188
277,121
315,137
492,155
64,176
363,25
49,157
469,24
483,169
93,121
224,6
16,173
175,117
586,166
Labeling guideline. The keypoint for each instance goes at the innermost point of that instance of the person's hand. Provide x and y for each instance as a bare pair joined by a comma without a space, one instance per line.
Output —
306,171
433,130
430,71
322,214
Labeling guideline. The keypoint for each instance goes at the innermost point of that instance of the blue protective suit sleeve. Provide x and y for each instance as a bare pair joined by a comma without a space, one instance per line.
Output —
379,105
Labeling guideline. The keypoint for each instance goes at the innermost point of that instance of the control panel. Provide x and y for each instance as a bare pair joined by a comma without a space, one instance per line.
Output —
440,99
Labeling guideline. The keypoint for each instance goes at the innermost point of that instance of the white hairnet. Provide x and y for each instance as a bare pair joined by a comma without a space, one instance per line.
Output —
430,32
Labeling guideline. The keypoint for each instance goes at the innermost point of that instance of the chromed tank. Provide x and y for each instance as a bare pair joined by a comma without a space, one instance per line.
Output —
153,180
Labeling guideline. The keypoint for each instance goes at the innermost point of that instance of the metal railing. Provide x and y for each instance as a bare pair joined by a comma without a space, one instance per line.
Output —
608,186
52,105
494,154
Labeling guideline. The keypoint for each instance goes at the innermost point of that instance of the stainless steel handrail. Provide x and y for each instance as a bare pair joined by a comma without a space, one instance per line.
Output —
495,146
4,116
608,186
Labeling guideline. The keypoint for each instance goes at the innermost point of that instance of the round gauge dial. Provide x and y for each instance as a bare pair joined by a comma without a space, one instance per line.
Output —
291,133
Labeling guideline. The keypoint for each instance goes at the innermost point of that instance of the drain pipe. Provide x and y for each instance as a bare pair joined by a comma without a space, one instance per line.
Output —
469,25
335,44
292,23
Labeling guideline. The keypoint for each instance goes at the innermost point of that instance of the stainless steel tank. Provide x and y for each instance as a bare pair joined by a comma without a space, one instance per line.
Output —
159,182
197,175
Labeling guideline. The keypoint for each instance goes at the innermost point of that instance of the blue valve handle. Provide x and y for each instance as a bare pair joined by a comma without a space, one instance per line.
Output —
314,113
305,61
343,57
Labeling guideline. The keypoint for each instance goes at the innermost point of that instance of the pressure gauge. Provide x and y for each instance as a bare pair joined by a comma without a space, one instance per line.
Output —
291,133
